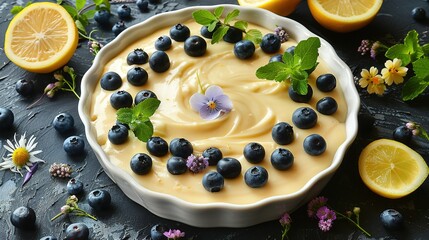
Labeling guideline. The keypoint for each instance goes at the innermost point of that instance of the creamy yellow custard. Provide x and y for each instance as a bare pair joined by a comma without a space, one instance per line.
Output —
257,106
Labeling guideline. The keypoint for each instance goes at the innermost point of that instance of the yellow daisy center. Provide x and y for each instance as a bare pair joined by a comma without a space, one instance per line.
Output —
20,156
212,104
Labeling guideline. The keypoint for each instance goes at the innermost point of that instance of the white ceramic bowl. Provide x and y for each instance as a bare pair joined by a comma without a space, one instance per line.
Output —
218,214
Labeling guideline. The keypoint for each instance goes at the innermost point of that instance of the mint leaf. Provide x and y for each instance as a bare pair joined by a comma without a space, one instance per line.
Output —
212,26
89,14
425,49
407,52
399,51
299,81
146,108
254,35
125,115
80,26
413,87
231,16
204,17
219,33
242,25
143,131
71,10
307,50
16,9
288,59
218,12
421,68
80,4
270,70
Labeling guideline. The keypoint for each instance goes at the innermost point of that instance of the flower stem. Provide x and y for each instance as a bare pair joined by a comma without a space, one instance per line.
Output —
57,216
354,223
35,102
85,214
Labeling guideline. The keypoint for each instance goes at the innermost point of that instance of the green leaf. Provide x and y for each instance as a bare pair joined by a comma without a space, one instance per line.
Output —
421,68
143,130
242,25
16,9
59,2
254,35
71,10
80,4
231,16
219,33
124,115
97,2
288,59
270,70
89,14
218,12
407,52
413,87
299,81
212,26
203,17
307,51
423,133
80,26
399,51
425,49
146,108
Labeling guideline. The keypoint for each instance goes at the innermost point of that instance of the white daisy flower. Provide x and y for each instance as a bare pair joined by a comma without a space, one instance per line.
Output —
20,154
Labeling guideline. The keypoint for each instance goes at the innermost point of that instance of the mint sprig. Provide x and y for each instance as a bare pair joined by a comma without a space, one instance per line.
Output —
214,23
411,52
295,68
138,118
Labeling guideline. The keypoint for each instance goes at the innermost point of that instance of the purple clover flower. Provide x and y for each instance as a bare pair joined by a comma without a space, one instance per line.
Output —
285,219
315,204
281,32
365,46
174,234
325,225
211,105
197,164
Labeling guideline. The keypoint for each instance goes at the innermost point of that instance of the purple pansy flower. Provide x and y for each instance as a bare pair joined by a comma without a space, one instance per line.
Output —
211,105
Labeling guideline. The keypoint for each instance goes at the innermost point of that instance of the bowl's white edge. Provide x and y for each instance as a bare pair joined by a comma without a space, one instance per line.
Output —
296,31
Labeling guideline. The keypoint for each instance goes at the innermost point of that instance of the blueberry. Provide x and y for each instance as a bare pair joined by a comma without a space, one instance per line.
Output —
102,17
143,95
179,32
213,154
244,49
304,118
23,218
296,97
63,123
282,159
74,145
256,177
77,231
176,165
254,152
229,167
233,35
6,118
24,87
327,106
99,199
206,33
276,58
163,43
48,238
314,145
270,43
137,76
121,99
159,61
157,146
118,27
282,133
143,5
111,81
181,147
326,82
118,134
391,219
124,12
213,181
403,134
157,232
141,163
291,50
137,56
195,46
418,13
74,186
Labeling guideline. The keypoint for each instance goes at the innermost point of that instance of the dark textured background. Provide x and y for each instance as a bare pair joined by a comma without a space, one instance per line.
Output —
127,220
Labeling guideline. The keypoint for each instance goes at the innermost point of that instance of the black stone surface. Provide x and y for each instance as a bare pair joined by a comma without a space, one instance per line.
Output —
128,220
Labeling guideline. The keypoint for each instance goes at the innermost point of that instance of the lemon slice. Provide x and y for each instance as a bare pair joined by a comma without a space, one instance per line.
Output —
391,169
344,15
280,7
41,38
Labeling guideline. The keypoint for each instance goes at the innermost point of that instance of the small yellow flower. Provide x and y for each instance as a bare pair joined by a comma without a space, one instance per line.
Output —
372,81
393,72
21,154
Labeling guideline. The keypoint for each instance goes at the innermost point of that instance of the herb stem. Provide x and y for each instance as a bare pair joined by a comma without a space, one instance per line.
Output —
353,222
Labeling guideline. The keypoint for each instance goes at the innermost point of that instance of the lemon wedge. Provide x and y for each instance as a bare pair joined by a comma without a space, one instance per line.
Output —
41,38
392,169
280,7
344,15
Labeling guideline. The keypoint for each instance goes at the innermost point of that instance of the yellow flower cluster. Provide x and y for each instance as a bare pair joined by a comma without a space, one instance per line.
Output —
393,72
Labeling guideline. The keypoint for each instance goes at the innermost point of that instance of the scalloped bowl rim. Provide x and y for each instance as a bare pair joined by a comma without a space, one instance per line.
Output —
146,197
